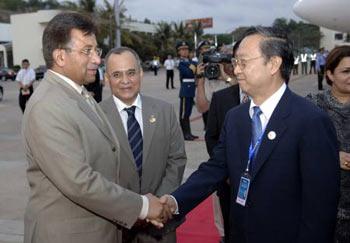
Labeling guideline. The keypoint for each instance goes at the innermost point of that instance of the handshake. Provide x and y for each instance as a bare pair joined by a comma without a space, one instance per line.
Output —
160,210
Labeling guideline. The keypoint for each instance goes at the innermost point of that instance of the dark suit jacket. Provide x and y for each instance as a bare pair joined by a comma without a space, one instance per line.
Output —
294,188
221,102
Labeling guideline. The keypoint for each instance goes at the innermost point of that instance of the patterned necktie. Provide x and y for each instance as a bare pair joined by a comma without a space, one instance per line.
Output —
89,100
245,98
135,137
256,131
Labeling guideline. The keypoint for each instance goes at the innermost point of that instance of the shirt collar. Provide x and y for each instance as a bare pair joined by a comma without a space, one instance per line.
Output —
270,104
121,105
75,86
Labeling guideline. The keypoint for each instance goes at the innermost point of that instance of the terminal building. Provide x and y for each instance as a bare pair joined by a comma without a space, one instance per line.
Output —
333,38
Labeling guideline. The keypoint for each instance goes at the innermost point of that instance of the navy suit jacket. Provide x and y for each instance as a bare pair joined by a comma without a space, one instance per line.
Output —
294,188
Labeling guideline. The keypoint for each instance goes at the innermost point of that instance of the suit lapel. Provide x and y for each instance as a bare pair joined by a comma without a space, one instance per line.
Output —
83,105
244,134
149,118
117,125
275,125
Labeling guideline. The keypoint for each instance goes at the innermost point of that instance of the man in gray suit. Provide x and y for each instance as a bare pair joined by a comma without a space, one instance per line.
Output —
73,154
162,152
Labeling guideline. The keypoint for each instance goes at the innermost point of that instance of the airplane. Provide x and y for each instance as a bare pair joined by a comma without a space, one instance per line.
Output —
331,14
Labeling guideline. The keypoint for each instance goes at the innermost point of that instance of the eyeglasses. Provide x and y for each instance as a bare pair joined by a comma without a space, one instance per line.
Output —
87,51
242,63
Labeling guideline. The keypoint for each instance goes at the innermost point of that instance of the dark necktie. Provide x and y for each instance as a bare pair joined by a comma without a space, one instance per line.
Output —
135,137
256,131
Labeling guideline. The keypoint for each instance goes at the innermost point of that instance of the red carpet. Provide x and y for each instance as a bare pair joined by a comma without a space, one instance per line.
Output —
199,226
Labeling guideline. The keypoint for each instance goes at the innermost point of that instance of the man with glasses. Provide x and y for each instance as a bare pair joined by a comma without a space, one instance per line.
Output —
72,151
151,143
279,152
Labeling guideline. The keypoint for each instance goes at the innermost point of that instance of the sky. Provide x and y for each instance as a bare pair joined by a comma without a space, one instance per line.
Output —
227,14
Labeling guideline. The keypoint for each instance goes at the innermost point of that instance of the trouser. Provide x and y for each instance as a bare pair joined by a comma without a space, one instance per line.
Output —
295,69
205,119
186,104
155,69
22,99
312,66
169,77
320,75
304,68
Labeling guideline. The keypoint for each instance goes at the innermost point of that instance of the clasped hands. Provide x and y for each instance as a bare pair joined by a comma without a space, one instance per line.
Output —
160,209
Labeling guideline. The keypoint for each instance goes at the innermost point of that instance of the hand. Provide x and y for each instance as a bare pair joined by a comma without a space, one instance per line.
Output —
344,160
168,200
193,68
158,212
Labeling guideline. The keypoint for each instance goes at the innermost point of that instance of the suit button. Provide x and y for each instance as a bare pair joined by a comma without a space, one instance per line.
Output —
114,149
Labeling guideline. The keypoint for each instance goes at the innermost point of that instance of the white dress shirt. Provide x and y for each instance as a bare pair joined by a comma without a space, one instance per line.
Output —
124,115
268,106
169,64
26,76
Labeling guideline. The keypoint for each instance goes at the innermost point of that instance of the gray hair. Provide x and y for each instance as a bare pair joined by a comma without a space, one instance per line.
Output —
275,43
121,50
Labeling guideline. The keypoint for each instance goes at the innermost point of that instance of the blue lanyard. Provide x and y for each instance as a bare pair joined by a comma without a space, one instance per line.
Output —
252,150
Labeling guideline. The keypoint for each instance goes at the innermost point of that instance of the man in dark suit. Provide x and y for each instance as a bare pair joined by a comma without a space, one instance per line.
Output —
279,152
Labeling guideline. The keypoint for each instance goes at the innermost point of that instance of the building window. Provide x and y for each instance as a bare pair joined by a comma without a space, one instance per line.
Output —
338,36
347,37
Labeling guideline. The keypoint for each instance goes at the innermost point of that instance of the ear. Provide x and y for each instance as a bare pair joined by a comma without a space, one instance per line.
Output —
275,64
107,79
141,73
330,75
59,57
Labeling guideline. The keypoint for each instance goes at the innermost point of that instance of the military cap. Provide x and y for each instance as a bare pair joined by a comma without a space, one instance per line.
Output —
203,43
182,44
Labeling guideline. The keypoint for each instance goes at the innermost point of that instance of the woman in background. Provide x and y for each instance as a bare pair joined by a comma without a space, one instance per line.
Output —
336,102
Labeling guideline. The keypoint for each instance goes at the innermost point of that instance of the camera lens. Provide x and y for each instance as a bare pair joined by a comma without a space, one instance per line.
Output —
212,71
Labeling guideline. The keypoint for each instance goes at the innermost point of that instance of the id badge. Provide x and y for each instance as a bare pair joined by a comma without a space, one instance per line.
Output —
243,190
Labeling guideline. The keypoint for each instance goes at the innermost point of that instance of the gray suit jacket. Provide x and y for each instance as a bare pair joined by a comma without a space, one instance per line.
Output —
73,170
164,156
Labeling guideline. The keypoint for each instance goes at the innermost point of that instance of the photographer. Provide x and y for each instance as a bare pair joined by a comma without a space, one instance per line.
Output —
214,73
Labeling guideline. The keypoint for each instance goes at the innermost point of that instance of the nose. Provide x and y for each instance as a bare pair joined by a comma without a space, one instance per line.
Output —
237,69
96,59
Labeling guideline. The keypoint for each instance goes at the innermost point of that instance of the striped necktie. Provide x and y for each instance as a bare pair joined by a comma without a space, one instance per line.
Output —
135,138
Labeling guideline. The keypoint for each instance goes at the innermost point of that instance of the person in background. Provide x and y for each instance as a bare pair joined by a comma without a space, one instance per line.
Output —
96,88
336,102
25,79
320,62
303,60
296,64
313,56
206,87
169,65
155,65
221,102
187,70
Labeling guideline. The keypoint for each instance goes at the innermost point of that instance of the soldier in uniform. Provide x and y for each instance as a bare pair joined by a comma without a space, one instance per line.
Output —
187,70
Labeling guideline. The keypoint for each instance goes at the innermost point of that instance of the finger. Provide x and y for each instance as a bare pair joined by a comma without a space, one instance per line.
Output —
156,223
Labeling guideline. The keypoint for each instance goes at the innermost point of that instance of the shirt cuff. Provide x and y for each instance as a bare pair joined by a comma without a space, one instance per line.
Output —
177,206
144,209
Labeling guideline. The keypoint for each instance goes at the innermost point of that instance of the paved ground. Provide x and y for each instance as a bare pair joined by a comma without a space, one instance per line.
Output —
13,185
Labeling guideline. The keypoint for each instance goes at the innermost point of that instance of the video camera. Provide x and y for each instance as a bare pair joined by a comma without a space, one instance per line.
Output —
213,58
